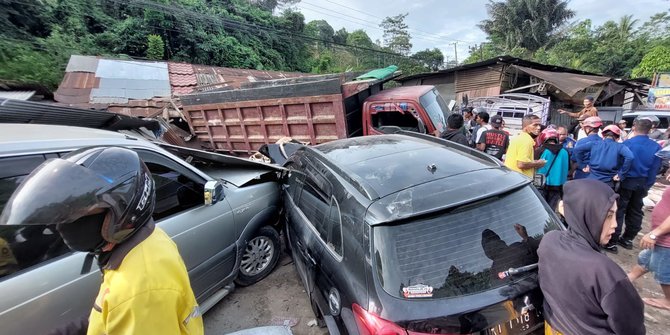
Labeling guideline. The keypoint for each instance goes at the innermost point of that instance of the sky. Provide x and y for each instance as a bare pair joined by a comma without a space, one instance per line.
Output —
441,23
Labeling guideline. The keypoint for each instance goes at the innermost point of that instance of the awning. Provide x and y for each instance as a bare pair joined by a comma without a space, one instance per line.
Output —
569,83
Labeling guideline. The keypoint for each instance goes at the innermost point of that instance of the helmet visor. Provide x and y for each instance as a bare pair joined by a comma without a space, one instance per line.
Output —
56,192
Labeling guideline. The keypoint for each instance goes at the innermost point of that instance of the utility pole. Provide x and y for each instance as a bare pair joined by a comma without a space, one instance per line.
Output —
481,51
455,52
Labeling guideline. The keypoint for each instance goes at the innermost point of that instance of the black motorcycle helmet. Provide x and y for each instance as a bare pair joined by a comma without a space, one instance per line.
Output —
94,196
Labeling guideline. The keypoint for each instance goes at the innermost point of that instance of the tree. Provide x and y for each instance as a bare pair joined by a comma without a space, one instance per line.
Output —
155,47
271,5
656,60
658,26
529,24
365,58
396,34
341,36
432,59
625,27
320,30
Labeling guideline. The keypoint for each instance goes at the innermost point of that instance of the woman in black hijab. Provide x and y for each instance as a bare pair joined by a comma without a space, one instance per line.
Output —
586,292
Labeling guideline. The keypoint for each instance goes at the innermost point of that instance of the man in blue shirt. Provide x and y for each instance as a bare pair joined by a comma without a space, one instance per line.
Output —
636,183
591,126
609,160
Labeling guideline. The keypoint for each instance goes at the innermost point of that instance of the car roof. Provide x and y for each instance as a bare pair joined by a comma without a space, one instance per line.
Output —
20,138
402,92
385,164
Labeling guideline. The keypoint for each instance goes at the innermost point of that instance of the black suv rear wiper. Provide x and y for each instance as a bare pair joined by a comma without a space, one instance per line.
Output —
514,271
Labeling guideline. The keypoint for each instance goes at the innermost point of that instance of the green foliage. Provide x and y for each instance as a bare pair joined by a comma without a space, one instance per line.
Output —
431,59
396,34
155,47
656,60
320,29
614,48
528,24
39,36
22,62
341,36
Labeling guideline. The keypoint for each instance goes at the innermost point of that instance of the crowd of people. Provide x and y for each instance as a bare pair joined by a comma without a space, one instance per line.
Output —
602,174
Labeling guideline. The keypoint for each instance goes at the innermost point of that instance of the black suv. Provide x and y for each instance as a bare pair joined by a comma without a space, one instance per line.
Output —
410,234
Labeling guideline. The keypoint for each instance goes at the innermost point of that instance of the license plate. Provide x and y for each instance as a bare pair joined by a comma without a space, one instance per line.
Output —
523,324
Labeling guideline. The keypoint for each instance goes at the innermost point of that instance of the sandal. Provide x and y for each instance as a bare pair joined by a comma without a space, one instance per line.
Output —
656,303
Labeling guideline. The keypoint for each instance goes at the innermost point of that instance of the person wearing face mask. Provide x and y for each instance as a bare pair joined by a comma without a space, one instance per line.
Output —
586,292
101,201
520,153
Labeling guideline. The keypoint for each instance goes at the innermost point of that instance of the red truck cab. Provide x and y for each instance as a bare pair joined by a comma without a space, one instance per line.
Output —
413,108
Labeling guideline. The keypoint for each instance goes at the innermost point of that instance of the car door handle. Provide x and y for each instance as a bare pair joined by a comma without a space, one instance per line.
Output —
309,257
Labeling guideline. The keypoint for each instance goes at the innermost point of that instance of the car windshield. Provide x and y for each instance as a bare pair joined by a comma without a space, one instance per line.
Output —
435,106
463,251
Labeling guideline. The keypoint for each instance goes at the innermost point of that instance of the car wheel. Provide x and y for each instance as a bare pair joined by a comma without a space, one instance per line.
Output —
260,256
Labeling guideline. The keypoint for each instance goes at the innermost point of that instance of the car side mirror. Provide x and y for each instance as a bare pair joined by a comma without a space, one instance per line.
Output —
213,192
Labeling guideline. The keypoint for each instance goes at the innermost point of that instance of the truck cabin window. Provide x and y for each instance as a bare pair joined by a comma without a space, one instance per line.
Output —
405,121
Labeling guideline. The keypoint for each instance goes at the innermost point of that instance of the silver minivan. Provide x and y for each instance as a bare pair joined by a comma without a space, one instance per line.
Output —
221,211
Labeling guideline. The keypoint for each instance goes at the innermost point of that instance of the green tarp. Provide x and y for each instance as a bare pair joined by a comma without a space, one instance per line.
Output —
378,73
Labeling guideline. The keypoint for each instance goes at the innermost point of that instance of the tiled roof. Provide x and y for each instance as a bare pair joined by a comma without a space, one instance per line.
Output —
180,68
182,79
179,90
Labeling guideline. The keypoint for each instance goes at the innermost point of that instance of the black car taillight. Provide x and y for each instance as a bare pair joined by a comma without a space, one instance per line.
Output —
371,324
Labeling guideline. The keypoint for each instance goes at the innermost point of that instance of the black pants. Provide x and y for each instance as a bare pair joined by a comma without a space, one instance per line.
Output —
631,193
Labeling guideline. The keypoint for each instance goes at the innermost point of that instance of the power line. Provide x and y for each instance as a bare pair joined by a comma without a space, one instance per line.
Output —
363,23
270,30
227,24
428,34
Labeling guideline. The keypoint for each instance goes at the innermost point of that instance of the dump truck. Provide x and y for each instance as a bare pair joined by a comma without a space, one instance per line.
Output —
313,110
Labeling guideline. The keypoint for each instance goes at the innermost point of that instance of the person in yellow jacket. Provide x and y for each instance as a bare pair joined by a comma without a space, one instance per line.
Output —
102,204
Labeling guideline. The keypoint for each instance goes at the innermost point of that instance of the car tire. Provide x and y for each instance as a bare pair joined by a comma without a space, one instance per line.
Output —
259,257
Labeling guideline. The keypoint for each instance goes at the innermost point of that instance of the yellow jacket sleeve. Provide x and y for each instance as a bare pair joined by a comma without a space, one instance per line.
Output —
151,312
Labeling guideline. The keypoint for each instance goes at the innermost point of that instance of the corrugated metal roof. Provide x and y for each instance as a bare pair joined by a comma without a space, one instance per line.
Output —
108,100
17,95
123,69
122,83
79,80
82,64
133,84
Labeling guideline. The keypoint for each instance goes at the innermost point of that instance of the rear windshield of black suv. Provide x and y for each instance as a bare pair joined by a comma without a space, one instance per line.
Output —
462,251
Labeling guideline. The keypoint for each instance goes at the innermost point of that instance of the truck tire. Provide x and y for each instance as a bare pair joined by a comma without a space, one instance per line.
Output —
260,256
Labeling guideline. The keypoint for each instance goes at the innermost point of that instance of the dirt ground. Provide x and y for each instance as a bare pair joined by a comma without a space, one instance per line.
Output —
280,298
276,300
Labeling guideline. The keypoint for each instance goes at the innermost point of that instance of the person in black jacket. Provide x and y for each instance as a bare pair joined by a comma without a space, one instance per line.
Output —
585,291
453,132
